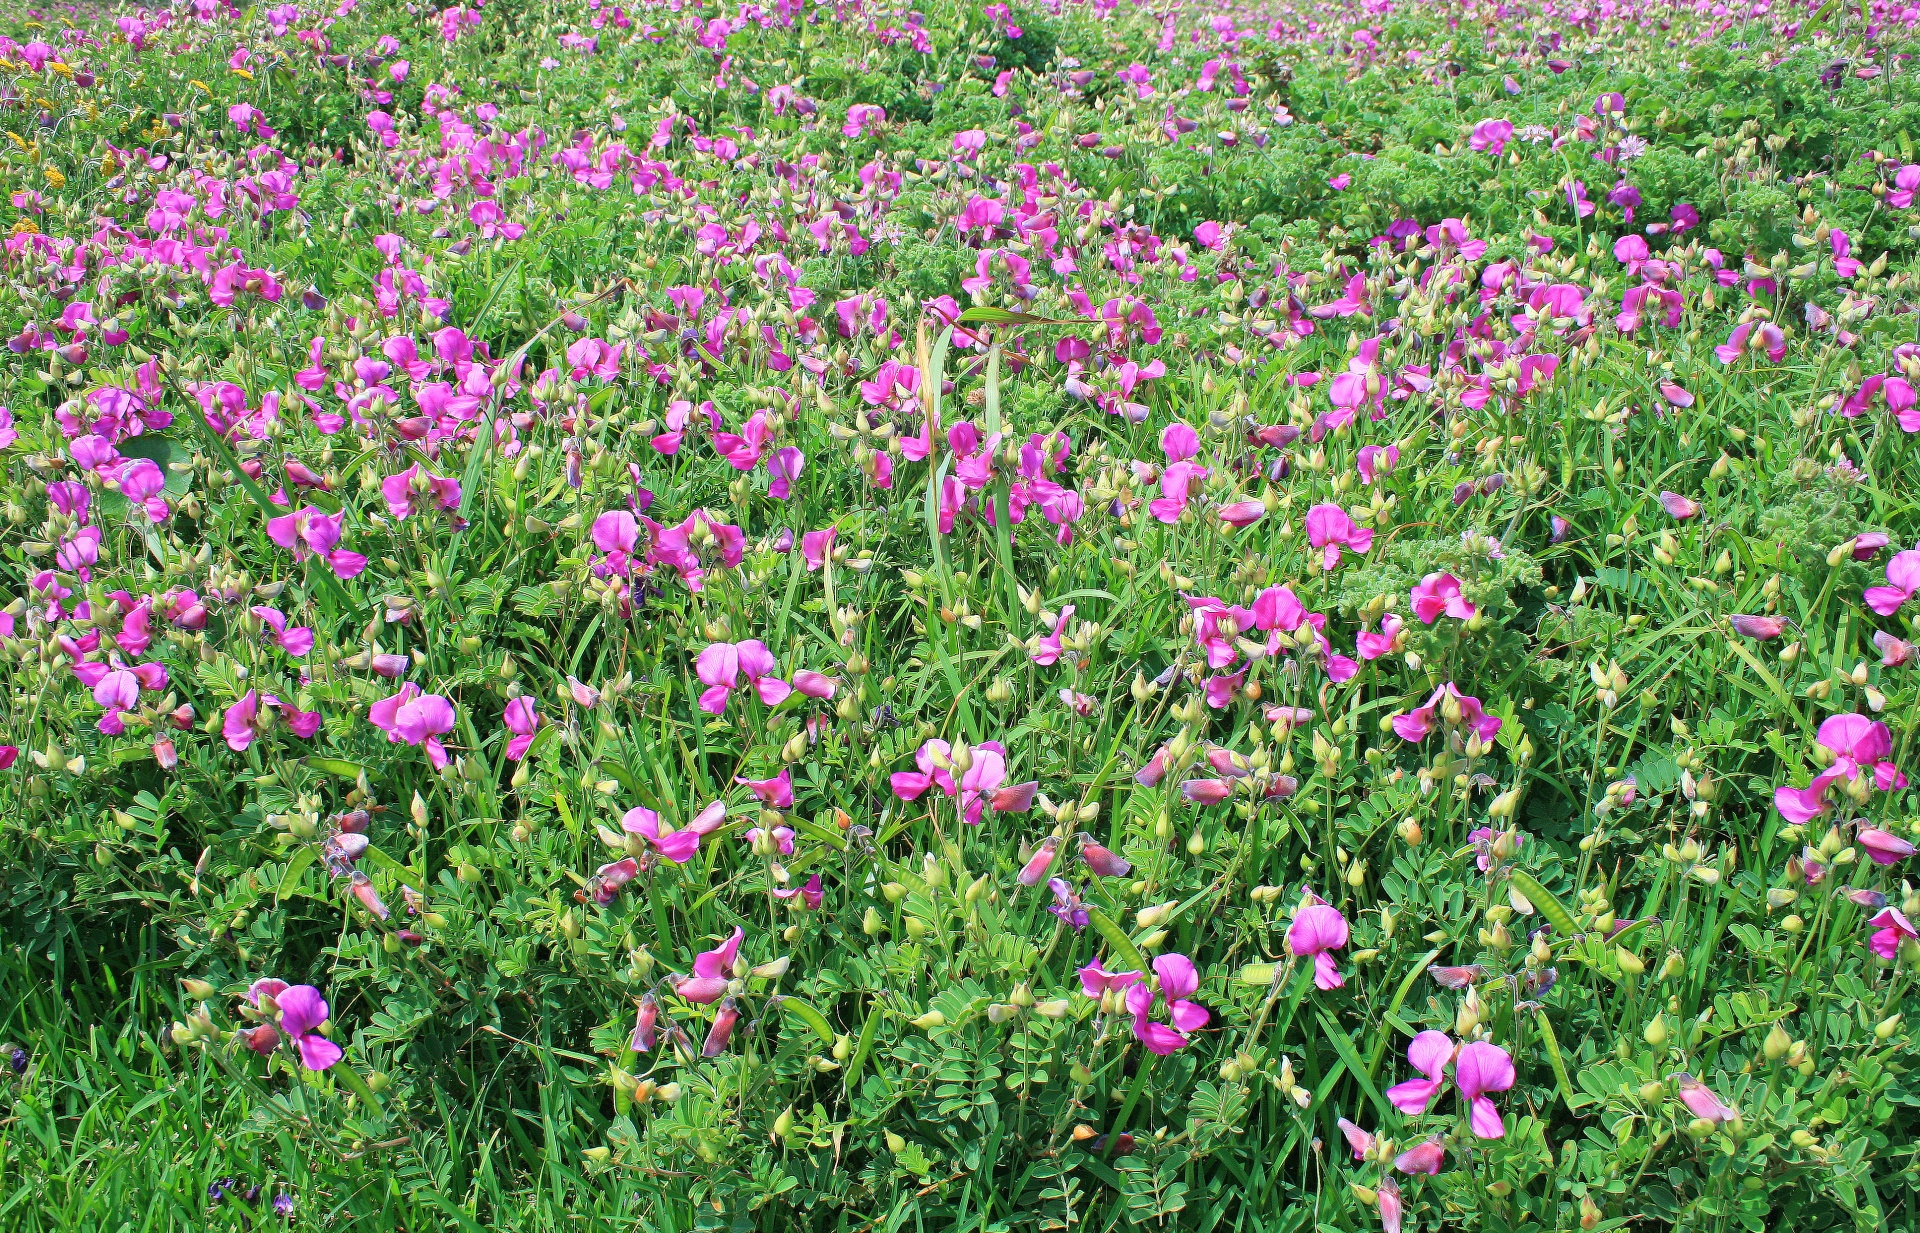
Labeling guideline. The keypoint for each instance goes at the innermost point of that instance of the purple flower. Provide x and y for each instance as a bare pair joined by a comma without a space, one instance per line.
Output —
302,1011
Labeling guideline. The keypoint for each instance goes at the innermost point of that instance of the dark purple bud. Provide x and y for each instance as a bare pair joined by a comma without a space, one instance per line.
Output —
1493,483
312,300
1461,491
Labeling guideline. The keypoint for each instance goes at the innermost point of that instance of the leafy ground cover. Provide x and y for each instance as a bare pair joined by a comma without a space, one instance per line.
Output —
848,617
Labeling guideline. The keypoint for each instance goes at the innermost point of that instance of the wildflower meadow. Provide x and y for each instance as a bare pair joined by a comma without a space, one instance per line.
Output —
1267,616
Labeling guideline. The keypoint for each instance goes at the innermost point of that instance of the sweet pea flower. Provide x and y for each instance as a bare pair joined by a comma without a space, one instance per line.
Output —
711,971
416,719
1883,847
523,721
1096,981
1678,506
1759,628
722,664
1903,578
1859,745
1417,724
415,491
1429,1052
775,793
312,532
1891,927
1480,1068
1317,929
1701,1101
1176,979
1330,529
295,641
1438,595
302,1011
1047,652
1425,1157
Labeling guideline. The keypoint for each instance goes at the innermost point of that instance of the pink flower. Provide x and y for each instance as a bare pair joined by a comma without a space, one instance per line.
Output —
414,491
1418,723
677,846
1374,461
1206,791
1317,929
722,664
775,793
416,719
1678,506
1330,529
295,641
1047,653
1883,847
1859,745
1700,1100
1891,927
1425,1157
523,721
1439,594
1429,1052
1903,575
1177,979
1391,1208
1036,867
1244,513
711,971
312,532
816,546
302,1011
1096,980
1480,1068
1761,628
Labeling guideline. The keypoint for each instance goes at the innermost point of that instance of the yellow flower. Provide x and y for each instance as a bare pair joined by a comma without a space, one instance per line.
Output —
246,73
201,85
60,68
25,227
54,177
16,139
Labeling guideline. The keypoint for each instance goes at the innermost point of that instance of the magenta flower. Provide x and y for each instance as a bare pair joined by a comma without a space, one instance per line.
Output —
523,721
1177,979
1859,745
677,846
775,793
294,640
1036,867
1329,529
1678,506
1759,628
1096,980
1104,862
1480,1068
1701,1101
302,1011
1429,1052
416,719
817,546
1374,461
1392,1210
1437,595
1206,791
711,971
1317,929
1243,513
721,666
1883,847
312,532
253,715
415,491
1425,1157
1417,724
981,785
1891,927
1903,578
644,1024
1048,652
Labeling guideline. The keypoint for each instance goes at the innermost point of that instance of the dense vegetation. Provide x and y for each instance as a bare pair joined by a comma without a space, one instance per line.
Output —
860,618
